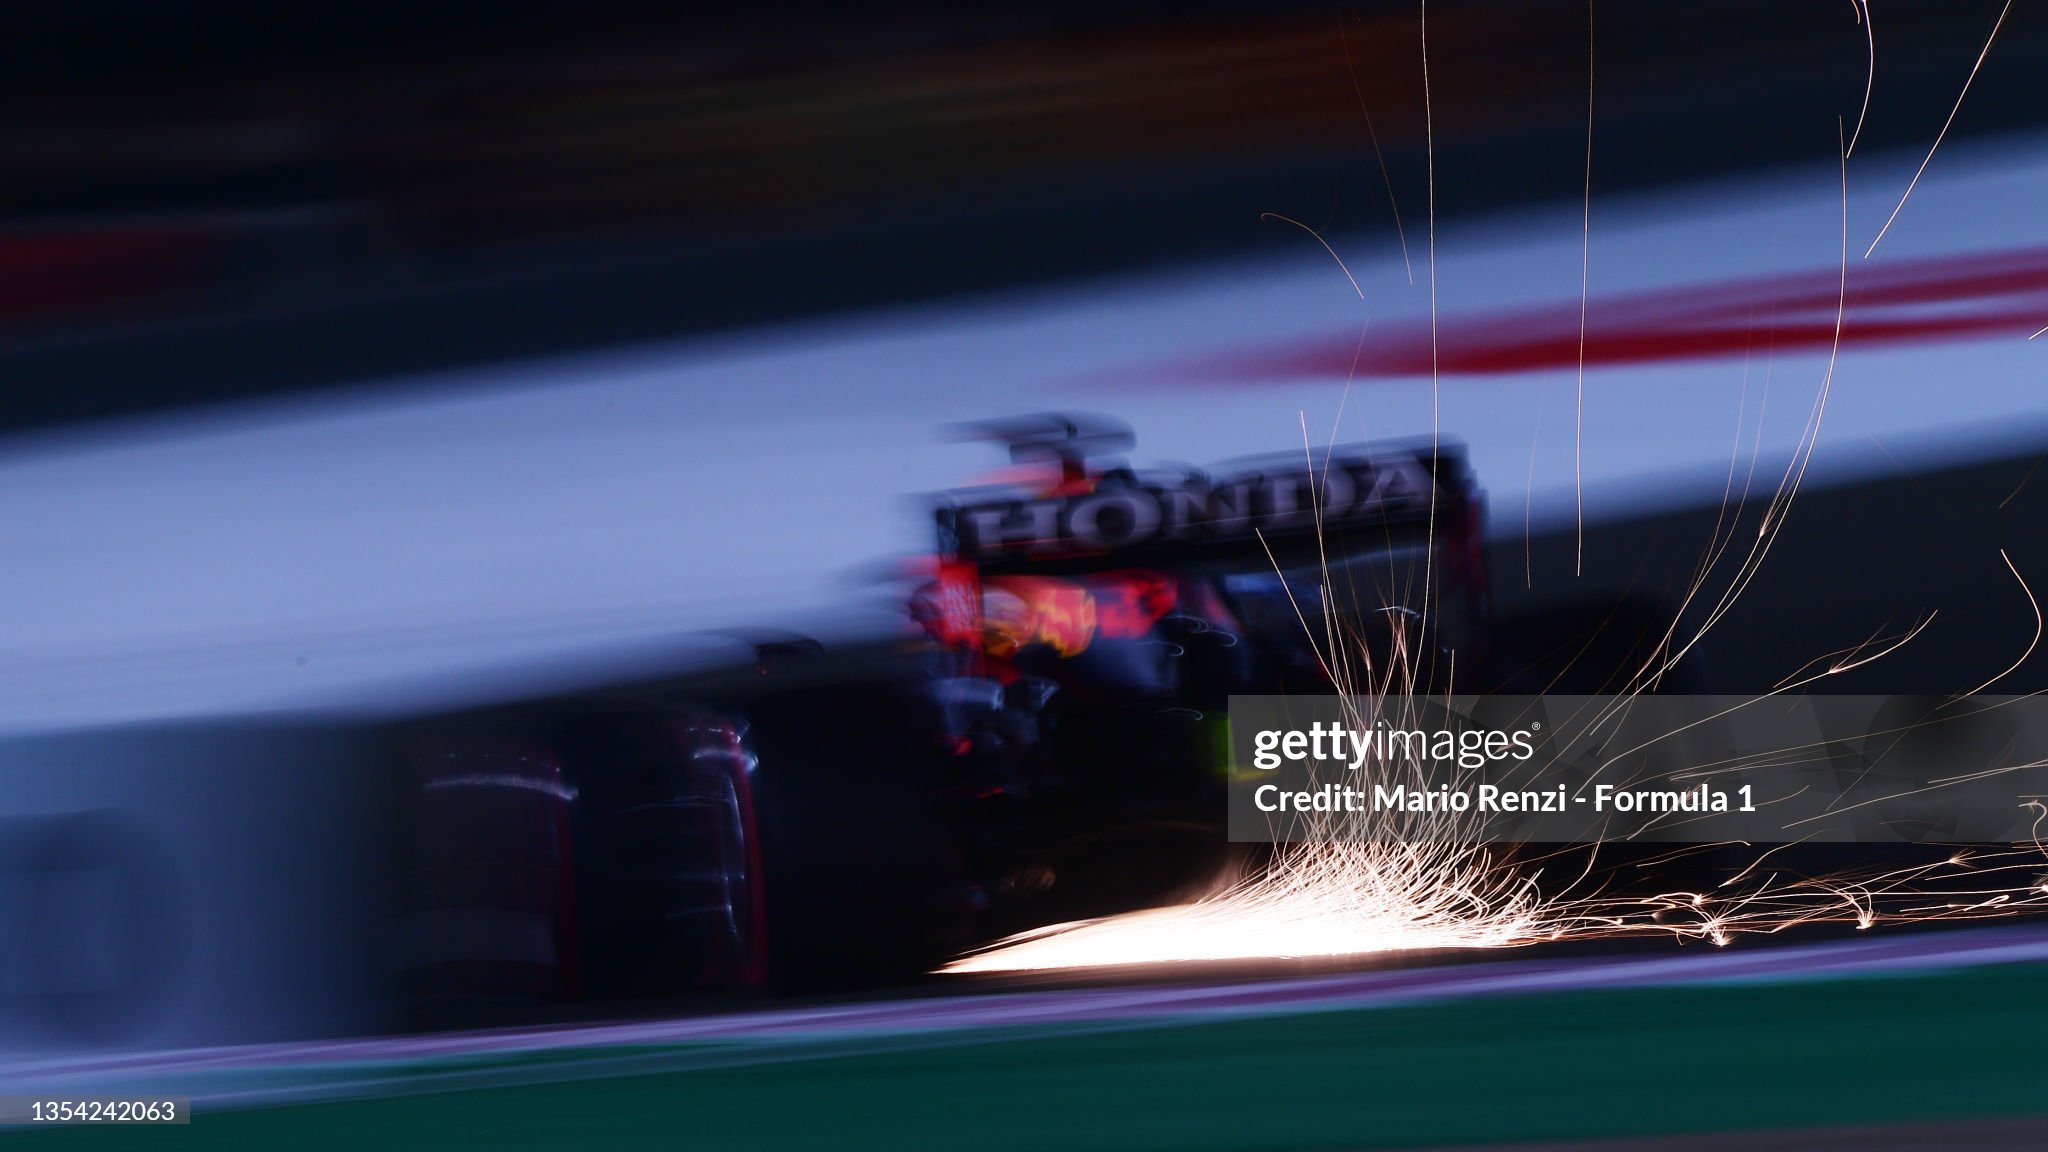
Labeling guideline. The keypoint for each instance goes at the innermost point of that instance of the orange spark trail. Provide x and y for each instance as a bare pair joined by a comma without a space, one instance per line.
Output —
1943,134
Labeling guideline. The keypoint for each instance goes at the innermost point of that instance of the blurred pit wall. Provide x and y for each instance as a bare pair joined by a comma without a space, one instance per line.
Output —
164,887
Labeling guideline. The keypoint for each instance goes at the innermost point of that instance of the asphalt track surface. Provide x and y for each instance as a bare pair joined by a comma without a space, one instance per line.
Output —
1794,1045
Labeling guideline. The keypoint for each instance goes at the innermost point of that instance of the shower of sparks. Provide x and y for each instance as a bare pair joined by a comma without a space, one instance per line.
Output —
1345,900
1427,881
1324,899
1382,882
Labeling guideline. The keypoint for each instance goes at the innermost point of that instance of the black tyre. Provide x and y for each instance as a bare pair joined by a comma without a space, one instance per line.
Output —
486,901
669,866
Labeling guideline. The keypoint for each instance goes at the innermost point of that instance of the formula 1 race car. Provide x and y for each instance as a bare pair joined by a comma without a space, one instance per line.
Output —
1051,745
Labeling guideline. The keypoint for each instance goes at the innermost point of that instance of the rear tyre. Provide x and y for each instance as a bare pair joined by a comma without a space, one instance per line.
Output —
669,862
486,921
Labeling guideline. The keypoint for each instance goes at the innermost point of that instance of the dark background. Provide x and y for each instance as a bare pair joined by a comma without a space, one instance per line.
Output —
217,200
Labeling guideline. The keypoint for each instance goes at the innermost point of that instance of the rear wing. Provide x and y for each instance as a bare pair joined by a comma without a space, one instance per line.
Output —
1250,511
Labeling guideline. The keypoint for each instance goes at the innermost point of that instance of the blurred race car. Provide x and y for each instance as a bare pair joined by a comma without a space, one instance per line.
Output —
1051,747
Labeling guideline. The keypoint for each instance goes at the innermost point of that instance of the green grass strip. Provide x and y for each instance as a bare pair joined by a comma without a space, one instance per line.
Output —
1560,1066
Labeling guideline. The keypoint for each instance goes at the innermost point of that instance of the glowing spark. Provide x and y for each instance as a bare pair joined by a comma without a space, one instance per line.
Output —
1435,361
1955,861
1756,863
1385,178
1849,659
2037,333
1943,134
1897,463
1585,273
1324,243
2038,622
2021,486
1870,76
1529,505
1901,642
1795,473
